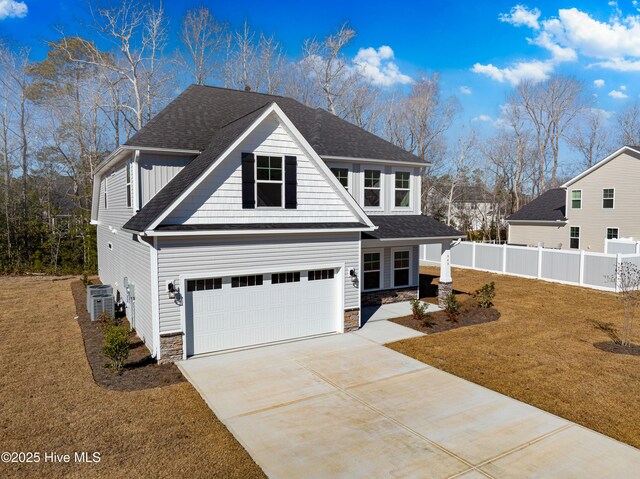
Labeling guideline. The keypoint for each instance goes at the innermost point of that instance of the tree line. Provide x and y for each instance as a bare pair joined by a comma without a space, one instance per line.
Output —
62,115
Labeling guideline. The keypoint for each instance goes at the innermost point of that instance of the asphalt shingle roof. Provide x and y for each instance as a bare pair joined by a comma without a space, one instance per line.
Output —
408,226
209,119
549,206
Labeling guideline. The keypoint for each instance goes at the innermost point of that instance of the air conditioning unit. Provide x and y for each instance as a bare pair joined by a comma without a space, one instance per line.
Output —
97,289
101,303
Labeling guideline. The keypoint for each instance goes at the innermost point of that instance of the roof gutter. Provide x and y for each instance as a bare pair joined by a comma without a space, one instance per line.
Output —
538,222
249,232
373,160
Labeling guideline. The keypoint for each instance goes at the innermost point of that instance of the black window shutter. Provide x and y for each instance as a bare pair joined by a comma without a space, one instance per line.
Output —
290,182
248,180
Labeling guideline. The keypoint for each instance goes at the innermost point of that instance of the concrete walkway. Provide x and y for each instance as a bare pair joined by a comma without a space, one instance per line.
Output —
346,406
392,310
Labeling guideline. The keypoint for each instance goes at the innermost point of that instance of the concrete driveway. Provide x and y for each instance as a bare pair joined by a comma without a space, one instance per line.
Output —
346,406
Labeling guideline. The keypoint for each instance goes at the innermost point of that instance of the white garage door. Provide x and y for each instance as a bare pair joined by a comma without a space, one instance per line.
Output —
233,312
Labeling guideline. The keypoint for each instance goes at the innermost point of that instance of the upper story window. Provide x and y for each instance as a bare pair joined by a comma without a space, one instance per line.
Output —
574,237
372,186
612,233
129,184
403,189
576,199
269,181
608,197
342,174
106,188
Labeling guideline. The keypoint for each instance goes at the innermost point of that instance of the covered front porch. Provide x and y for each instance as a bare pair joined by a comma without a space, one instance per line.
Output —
391,258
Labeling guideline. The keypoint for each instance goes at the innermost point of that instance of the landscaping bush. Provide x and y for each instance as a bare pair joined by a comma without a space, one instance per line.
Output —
106,320
485,295
116,345
418,309
452,306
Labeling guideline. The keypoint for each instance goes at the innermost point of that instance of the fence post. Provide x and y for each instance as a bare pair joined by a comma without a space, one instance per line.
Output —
618,267
473,255
504,258
637,247
581,273
539,261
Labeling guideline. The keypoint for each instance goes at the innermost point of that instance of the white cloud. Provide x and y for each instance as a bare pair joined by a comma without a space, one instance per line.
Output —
12,9
483,118
617,94
598,83
521,15
465,90
377,66
558,53
535,71
623,87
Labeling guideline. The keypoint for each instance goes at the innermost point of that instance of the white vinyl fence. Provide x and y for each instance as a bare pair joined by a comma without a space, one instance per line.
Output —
580,268
624,246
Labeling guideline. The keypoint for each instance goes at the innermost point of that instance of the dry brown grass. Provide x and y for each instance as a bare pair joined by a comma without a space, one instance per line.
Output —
49,402
541,351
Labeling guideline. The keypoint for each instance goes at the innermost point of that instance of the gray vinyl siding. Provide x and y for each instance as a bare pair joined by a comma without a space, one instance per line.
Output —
156,171
621,173
117,213
387,264
128,258
218,199
532,234
203,255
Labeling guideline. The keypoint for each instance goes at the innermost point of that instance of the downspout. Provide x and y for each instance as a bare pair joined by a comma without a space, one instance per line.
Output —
155,299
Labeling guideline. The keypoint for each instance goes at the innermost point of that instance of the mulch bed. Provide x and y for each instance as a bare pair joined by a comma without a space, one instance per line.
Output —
140,371
470,314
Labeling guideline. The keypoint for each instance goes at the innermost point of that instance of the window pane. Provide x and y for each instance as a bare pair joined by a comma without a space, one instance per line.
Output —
372,280
401,277
191,286
342,174
371,179
208,283
612,233
574,243
269,194
235,282
607,193
200,285
217,283
372,197
575,232
576,199
401,259
402,180
402,198
371,261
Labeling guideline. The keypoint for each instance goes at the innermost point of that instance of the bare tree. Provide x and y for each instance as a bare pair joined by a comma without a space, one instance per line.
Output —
628,124
202,37
590,137
551,106
463,160
627,281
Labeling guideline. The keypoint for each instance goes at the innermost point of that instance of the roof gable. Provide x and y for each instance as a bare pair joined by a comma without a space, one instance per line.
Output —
625,149
223,143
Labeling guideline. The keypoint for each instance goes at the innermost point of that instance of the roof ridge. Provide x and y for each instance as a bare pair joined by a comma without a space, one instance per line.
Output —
238,91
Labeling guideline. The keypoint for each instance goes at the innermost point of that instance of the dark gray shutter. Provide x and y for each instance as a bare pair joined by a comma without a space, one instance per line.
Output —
248,180
290,182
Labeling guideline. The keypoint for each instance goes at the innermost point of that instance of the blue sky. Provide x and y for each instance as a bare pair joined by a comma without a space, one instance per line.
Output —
485,46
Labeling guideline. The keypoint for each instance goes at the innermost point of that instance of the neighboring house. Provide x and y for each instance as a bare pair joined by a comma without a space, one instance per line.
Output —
472,209
235,218
599,204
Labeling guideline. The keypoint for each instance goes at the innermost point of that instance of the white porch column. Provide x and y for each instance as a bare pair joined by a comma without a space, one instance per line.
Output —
445,284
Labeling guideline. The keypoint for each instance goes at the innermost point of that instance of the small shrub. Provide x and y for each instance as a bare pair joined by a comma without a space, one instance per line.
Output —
418,309
85,279
452,307
106,320
427,322
116,345
485,295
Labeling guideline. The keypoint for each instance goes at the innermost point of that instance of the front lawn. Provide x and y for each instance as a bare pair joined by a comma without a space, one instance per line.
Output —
543,351
50,403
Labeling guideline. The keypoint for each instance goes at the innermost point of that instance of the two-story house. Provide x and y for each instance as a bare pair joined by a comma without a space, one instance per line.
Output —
234,219
599,204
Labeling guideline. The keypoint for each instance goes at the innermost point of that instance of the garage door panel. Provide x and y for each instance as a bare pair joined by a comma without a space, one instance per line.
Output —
229,318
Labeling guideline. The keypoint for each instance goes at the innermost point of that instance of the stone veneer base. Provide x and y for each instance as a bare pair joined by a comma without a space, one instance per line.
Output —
386,296
351,319
444,290
171,347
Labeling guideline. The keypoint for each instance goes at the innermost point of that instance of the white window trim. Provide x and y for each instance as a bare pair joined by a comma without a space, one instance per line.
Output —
393,267
275,182
614,199
579,236
106,193
128,187
393,194
381,282
382,190
349,187
571,199
606,230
